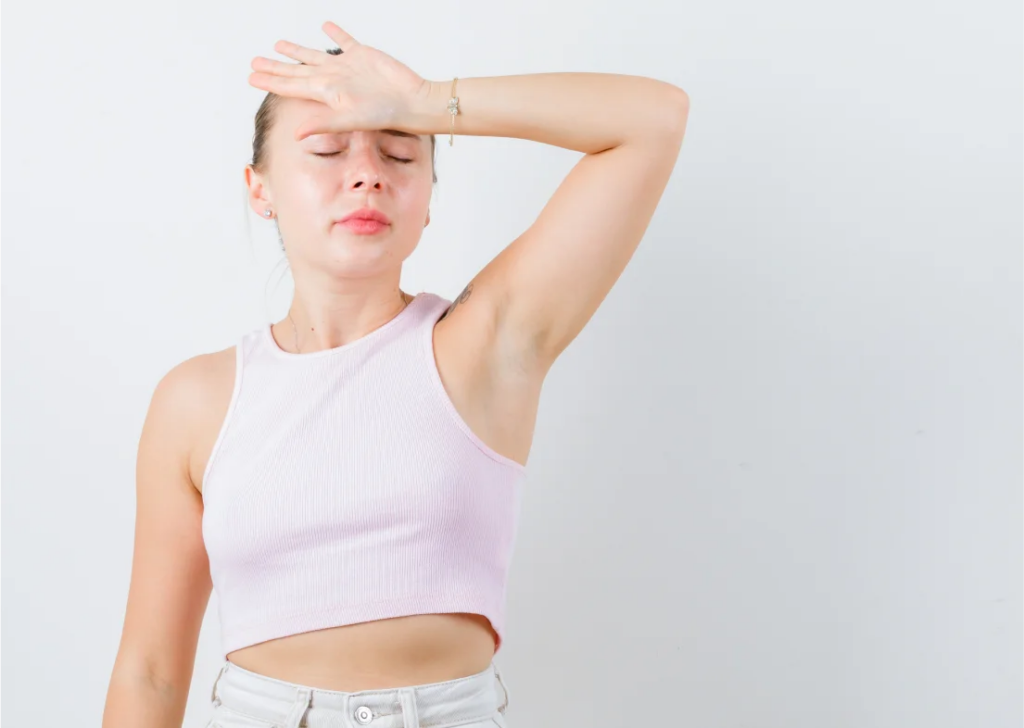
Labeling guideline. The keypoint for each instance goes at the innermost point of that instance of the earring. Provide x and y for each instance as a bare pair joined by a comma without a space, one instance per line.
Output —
267,213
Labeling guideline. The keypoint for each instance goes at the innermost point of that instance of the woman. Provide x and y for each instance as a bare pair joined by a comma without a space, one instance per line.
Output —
349,478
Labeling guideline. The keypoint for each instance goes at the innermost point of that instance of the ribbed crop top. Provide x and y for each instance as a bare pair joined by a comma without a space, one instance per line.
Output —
344,487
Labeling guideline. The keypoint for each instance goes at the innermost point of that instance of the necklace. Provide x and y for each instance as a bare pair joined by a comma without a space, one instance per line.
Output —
295,329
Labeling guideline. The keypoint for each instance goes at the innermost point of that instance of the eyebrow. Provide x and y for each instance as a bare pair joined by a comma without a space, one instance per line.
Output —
390,132
396,132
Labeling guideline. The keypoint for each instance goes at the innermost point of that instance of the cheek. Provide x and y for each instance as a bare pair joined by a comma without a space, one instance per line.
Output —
415,186
413,202
311,189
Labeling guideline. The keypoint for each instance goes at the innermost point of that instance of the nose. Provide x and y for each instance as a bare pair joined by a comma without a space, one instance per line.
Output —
366,179
364,169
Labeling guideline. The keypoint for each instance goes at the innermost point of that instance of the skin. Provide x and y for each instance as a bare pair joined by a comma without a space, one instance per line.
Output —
345,288
336,273
345,284
493,348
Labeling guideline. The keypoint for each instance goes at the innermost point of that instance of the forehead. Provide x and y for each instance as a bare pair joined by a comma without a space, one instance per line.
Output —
292,113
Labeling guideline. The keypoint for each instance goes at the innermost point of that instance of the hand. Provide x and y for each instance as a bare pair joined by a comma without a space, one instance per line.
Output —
365,88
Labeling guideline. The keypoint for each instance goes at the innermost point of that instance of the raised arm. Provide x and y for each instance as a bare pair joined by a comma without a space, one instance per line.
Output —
547,283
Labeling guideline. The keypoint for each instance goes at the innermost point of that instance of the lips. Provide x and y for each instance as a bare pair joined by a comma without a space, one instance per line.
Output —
365,221
367,213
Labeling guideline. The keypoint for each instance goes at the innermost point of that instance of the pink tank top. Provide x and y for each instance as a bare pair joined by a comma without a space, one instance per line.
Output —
344,487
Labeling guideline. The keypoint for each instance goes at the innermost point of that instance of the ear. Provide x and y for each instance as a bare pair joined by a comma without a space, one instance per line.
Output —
259,198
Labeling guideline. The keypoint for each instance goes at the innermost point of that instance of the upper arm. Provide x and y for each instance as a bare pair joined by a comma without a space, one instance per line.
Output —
170,582
547,284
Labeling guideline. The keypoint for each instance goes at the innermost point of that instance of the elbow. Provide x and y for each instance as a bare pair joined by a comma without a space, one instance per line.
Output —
672,112
679,110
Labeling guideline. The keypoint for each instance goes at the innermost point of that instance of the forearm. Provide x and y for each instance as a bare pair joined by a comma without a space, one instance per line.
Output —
585,112
135,698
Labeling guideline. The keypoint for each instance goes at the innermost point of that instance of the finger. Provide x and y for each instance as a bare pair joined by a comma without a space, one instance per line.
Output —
283,86
300,53
345,41
279,68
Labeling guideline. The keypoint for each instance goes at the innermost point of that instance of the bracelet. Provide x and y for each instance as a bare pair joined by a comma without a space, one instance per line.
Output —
453,109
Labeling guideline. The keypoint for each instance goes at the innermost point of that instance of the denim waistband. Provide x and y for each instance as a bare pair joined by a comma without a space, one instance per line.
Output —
273,703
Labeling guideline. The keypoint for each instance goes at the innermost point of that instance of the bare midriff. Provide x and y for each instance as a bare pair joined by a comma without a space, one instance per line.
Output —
386,653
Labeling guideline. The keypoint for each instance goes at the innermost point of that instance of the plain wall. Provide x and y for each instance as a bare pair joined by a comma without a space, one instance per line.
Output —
775,482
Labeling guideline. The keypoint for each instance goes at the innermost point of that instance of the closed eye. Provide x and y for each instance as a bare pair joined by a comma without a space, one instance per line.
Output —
331,154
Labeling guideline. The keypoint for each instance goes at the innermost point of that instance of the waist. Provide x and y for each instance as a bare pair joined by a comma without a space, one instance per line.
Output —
244,694
378,654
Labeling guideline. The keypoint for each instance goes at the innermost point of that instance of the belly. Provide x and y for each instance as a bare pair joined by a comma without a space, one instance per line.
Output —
386,653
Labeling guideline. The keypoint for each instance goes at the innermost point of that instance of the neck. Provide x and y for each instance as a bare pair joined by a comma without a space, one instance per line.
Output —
346,318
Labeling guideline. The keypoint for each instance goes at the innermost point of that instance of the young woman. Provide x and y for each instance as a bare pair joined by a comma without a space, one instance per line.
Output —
349,478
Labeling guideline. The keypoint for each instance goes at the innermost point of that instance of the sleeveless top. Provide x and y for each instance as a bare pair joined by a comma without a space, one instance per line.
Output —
344,487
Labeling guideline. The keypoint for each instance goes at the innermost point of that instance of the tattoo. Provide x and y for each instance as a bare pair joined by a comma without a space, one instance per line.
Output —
461,298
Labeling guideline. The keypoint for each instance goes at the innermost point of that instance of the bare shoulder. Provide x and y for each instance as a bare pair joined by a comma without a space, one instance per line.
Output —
192,400
491,380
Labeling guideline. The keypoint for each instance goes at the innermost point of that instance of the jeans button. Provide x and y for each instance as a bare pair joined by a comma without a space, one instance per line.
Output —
363,715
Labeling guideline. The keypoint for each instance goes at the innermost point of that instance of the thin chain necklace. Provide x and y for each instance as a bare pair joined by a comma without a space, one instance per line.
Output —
295,329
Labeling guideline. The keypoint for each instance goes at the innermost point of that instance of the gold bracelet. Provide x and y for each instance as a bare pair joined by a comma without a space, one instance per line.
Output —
453,109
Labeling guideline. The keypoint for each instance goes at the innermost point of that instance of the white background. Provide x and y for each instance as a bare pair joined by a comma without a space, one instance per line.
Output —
776,482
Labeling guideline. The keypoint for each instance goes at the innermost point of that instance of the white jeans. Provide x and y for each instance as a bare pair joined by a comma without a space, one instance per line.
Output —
245,699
